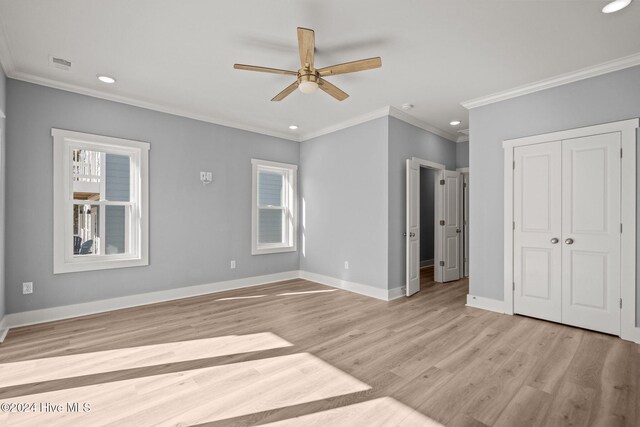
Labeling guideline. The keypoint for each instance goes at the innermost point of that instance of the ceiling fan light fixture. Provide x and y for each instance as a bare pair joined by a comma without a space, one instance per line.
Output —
615,6
308,87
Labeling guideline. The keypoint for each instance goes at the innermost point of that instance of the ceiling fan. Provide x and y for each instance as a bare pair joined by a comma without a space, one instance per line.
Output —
309,79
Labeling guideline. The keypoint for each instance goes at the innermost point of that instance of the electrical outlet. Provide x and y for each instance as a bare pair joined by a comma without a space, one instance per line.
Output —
233,263
27,288
346,265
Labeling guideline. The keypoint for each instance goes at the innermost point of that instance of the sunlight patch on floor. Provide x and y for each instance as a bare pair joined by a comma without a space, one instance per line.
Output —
195,396
54,368
384,411
322,291
236,298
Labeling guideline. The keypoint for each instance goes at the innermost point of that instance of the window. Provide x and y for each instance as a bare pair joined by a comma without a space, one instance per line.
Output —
274,225
101,207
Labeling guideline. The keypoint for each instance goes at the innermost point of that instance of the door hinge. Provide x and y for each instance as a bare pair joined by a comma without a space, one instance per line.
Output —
464,185
514,225
442,222
620,302
441,263
514,285
620,228
514,164
442,182
621,153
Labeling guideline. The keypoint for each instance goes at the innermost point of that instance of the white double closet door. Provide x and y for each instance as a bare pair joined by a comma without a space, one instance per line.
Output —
567,231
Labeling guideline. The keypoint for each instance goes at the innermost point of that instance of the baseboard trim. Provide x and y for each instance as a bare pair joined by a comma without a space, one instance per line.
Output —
396,293
358,288
33,317
485,303
426,263
26,318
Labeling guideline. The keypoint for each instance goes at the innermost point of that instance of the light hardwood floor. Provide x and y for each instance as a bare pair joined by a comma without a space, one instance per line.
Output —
297,353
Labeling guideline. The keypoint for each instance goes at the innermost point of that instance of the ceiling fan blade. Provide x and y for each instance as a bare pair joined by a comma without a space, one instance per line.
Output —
351,67
264,69
307,46
332,90
286,92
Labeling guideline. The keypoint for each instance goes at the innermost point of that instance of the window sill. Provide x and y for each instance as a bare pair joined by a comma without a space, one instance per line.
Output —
104,264
273,250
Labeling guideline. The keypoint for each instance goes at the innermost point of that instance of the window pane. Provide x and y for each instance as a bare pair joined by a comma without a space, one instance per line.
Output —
86,173
115,225
86,229
270,225
117,178
270,188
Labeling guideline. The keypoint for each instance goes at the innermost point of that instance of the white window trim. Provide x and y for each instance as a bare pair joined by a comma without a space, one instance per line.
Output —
292,215
63,259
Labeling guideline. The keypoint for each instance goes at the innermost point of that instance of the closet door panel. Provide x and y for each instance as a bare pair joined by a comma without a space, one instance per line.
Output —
537,214
591,232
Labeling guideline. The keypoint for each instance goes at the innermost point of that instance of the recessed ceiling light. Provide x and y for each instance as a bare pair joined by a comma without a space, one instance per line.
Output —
455,123
293,127
106,79
407,106
615,6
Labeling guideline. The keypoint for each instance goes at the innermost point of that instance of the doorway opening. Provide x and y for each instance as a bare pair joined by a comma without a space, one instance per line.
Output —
437,225
427,238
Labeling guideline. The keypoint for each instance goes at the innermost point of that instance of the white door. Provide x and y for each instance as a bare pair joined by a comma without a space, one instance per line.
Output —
591,232
451,224
537,197
412,231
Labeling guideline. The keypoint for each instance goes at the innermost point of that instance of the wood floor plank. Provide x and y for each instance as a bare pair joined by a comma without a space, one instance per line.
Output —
527,408
352,360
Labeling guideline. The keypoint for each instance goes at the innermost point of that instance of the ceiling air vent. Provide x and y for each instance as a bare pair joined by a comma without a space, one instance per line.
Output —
59,63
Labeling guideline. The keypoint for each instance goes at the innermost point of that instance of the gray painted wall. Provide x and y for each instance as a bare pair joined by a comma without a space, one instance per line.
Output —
3,107
195,230
407,141
607,98
462,155
427,212
343,204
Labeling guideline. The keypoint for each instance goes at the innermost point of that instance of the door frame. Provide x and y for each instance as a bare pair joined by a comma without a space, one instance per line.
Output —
466,178
422,163
627,130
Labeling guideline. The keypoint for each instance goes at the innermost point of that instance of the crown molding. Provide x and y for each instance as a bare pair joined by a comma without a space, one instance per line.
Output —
407,118
381,112
463,135
562,79
363,118
147,105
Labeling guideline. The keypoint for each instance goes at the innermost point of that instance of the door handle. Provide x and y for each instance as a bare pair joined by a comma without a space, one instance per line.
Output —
458,230
569,241
412,234
554,240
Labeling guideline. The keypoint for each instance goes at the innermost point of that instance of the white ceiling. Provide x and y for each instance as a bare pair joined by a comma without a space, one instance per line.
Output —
178,55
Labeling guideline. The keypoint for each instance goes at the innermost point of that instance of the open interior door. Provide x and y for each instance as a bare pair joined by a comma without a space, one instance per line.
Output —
412,231
449,256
